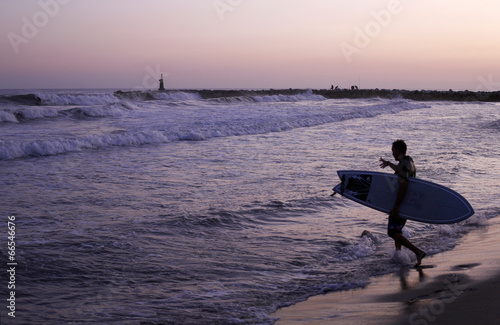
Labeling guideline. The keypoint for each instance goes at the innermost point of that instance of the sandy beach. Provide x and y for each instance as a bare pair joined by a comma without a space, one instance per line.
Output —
460,286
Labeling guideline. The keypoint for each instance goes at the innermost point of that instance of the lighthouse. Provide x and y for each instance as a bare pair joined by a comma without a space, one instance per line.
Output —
162,86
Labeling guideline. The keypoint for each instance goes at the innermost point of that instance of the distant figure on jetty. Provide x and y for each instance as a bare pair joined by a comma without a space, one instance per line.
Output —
162,86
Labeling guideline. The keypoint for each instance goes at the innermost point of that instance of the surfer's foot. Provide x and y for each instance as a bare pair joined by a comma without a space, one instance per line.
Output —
420,256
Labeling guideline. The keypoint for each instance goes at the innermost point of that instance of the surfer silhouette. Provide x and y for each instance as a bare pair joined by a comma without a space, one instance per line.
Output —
404,169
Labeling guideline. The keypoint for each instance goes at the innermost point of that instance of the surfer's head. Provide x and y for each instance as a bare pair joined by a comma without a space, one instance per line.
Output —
398,149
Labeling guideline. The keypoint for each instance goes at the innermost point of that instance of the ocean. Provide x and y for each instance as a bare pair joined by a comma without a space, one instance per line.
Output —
147,207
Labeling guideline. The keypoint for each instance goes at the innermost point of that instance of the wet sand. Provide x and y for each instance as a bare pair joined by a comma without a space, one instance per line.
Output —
461,286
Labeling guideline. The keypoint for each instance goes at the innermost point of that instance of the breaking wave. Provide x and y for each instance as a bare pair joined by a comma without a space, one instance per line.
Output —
268,97
494,125
185,130
264,96
80,99
26,113
12,150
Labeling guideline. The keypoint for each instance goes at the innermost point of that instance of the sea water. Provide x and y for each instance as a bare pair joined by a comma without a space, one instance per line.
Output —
167,208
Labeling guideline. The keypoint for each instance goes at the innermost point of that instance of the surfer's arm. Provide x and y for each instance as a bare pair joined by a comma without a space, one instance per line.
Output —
385,163
400,196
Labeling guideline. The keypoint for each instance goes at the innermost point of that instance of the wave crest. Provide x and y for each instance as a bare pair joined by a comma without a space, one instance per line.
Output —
13,150
79,99
190,130
494,125
21,114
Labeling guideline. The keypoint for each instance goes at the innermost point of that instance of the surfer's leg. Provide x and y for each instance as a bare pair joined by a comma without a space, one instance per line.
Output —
394,228
398,245
395,231
420,256
402,240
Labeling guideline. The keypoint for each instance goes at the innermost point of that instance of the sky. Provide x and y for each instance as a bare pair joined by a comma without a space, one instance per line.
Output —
215,44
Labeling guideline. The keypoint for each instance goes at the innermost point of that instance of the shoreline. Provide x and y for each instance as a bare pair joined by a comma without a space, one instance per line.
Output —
457,286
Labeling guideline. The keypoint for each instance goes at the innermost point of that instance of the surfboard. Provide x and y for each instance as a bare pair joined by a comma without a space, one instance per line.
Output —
425,201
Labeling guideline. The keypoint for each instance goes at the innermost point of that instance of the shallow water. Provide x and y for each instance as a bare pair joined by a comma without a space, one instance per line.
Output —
176,209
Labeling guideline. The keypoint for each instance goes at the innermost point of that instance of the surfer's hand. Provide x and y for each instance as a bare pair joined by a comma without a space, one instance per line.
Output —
384,163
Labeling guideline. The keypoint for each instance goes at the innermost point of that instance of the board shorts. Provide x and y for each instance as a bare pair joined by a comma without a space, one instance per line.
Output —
395,226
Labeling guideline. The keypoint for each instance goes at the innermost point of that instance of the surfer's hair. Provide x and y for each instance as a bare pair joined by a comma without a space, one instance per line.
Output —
400,145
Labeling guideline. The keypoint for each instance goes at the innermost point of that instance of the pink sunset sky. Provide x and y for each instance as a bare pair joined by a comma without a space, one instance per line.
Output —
405,44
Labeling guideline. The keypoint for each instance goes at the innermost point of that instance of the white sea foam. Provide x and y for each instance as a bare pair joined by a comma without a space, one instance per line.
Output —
307,96
12,150
7,116
164,126
26,113
113,110
177,96
16,115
